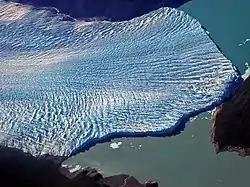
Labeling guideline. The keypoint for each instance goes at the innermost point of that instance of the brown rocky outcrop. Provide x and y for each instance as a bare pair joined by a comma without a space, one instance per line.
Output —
231,123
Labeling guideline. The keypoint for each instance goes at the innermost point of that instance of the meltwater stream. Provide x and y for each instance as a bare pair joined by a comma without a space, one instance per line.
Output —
65,85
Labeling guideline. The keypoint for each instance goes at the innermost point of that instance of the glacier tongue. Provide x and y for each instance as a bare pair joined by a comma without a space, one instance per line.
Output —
67,84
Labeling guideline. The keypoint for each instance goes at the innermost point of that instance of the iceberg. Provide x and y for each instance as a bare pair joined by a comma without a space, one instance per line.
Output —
67,84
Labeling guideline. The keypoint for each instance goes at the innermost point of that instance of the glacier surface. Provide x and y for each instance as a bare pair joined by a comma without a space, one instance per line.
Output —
65,85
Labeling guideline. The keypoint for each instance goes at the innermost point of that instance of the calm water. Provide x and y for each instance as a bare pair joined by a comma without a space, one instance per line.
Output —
187,160
228,22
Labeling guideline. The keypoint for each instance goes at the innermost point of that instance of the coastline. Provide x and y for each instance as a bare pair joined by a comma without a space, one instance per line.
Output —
19,168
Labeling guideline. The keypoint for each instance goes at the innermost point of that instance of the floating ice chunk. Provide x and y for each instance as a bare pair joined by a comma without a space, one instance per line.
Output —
193,119
115,145
75,169
244,42
64,166
247,71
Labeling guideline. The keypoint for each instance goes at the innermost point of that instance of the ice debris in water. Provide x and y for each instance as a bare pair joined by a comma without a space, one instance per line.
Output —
244,42
247,71
75,169
115,145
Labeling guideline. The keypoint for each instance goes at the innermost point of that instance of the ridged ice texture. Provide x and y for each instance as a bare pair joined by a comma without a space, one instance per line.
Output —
67,84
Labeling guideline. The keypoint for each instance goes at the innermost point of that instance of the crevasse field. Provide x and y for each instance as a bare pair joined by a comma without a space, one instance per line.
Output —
65,84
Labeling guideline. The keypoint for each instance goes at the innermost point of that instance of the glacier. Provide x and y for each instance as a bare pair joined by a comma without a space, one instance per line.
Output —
68,84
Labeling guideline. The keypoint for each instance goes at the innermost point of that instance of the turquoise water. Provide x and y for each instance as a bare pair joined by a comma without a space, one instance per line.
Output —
228,22
187,160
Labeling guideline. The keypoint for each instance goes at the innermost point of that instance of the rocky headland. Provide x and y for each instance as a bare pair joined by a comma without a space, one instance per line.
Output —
231,123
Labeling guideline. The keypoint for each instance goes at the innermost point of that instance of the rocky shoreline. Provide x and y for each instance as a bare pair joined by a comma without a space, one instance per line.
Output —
231,129
22,169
